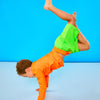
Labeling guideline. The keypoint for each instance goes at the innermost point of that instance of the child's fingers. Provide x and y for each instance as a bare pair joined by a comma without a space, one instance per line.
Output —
37,89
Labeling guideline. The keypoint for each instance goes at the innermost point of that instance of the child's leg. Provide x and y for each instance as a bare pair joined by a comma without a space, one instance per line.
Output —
83,43
63,15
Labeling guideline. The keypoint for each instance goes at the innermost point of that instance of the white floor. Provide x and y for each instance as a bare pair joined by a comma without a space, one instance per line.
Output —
74,81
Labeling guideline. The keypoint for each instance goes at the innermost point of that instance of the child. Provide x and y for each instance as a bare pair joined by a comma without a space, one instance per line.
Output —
65,44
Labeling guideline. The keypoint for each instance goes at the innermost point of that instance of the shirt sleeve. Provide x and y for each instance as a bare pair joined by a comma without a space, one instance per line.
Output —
42,84
47,80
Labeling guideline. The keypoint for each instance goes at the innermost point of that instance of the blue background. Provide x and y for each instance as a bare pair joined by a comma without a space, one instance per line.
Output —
27,31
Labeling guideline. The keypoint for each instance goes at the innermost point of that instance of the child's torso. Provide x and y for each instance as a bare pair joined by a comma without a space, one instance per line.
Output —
48,63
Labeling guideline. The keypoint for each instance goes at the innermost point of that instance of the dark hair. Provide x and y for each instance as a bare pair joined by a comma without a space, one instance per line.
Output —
22,65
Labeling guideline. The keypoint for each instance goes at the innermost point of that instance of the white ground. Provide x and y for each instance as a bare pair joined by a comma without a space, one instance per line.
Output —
74,81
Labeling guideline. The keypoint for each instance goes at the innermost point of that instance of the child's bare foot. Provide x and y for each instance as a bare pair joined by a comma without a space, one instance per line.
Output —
74,14
48,4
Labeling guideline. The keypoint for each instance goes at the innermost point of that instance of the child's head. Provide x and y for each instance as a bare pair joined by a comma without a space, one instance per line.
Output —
24,68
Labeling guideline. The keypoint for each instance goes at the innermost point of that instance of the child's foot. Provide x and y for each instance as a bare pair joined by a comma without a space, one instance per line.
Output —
48,4
74,14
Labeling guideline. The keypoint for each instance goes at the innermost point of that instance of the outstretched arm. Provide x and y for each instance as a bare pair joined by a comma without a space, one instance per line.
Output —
47,80
42,84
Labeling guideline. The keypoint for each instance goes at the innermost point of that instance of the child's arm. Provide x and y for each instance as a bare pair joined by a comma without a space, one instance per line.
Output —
42,84
47,80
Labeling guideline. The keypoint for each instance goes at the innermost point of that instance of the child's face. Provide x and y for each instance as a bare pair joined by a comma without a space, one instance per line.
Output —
28,73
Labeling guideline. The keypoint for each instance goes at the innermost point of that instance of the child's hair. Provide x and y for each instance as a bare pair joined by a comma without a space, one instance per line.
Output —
22,65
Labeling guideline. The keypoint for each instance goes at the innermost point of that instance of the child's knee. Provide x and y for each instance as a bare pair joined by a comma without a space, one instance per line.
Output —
88,46
72,20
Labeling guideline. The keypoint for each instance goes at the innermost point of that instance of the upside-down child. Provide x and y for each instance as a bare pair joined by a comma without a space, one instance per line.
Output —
70,41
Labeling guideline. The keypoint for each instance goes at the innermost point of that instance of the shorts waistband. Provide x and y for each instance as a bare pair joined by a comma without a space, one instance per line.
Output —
61,51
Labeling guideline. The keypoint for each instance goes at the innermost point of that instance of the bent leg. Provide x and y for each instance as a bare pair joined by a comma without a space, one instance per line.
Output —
83,43
82,47
63,15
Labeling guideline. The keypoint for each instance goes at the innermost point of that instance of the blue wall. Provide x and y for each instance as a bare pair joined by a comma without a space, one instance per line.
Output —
27,31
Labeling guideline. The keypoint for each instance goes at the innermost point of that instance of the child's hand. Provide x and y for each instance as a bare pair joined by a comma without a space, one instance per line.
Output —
37,89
